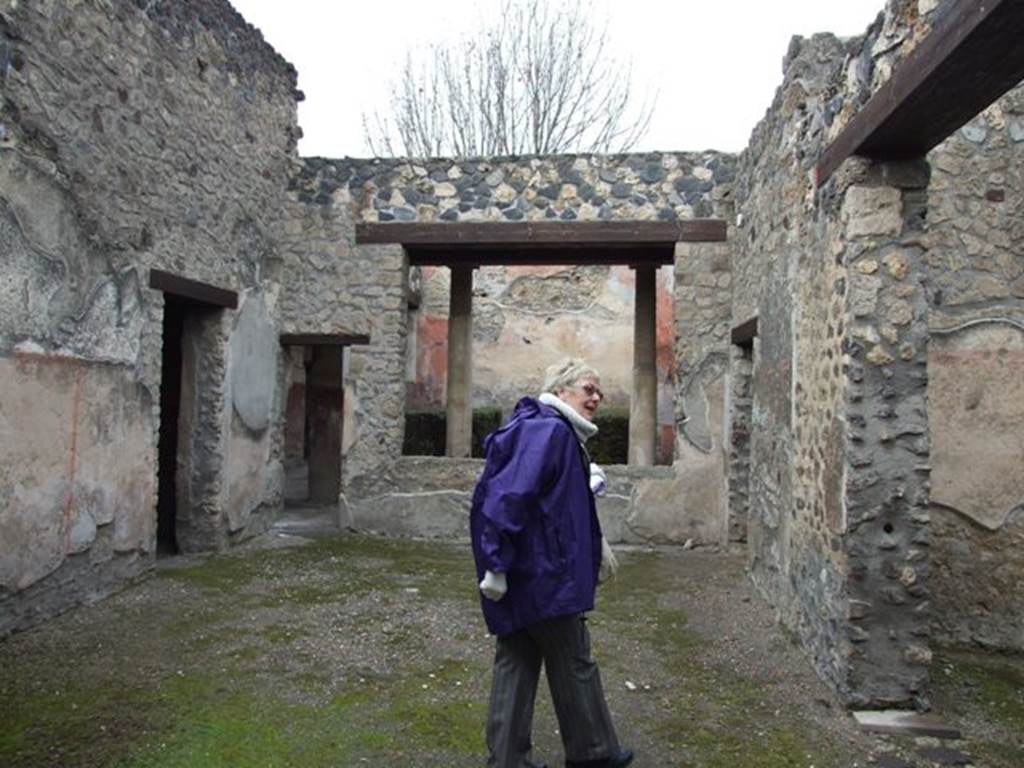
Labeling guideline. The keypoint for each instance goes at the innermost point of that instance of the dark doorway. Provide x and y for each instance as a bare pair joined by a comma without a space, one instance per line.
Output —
191,359
170,409
324,408
296,427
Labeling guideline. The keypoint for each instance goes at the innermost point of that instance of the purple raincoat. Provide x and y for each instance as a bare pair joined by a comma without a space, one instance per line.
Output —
533,518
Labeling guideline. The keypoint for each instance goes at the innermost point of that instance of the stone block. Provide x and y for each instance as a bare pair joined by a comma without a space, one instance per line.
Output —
873,211
945,756
252,364
437,514
863,296
901,722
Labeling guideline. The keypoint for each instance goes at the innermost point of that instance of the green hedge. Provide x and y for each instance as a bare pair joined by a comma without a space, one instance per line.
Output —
611,443
425,433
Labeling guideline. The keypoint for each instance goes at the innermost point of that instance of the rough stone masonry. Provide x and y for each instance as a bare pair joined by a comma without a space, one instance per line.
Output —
161,237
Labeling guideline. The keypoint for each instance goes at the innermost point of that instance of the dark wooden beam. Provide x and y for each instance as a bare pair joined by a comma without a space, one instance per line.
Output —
743,334
483,256
973,55
193,290
540,233
324,339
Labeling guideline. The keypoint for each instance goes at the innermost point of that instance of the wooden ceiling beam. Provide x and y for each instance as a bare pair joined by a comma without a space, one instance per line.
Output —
192,290
972,56
324,339
541,233
518,255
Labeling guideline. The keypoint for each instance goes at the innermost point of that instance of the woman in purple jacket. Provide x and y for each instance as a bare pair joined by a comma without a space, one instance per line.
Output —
538,549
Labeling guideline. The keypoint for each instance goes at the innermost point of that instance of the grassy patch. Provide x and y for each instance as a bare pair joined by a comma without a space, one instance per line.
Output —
213,693
711,714
990,690
995,684
282,634
227,572
70,724
214,724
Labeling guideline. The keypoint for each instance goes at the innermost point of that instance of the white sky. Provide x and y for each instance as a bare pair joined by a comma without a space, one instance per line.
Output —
714,63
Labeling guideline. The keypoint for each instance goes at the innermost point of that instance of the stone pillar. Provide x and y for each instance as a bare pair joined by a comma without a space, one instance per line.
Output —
460,364
885,516
643,405
739,412
703,293
324,399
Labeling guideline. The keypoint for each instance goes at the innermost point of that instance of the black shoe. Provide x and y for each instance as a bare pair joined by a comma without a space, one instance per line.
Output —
621,760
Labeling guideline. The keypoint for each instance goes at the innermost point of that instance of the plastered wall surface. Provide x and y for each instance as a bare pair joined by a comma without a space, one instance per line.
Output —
132,135
430,496
67,491
525,318
533,314
976,316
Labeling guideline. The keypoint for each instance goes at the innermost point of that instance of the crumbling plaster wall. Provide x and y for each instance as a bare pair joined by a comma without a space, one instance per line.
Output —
839,449
367,293
976,379
526,317
132,135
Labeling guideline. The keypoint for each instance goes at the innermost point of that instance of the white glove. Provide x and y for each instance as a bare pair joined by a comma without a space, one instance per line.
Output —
494,586
598,480
609,563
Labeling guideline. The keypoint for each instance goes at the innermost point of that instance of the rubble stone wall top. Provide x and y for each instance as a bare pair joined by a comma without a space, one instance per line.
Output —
655,186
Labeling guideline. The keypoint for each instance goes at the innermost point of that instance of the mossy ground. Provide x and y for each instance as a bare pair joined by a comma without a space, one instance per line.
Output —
353,651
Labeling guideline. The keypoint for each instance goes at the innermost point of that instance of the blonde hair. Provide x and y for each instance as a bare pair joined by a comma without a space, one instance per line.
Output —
567,372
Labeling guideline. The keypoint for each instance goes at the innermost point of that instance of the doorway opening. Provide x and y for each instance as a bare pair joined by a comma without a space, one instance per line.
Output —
191,353
313,425
170,408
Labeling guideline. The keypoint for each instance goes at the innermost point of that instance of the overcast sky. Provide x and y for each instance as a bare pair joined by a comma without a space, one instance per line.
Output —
715,64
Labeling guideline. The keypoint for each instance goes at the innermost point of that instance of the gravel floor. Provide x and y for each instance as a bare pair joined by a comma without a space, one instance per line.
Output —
347,650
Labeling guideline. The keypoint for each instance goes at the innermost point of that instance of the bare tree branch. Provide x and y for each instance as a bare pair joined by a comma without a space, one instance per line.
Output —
537,80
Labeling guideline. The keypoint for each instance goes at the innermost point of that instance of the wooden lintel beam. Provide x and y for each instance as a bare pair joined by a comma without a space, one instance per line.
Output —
482,256
540,233
323,339
972,56
193,290
743,334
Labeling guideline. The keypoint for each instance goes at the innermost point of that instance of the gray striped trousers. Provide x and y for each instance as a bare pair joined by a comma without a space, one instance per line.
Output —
563,645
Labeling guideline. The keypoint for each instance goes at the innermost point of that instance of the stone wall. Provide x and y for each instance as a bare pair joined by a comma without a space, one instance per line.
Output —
787,276
335,286
132,135
525,317
839,450
702,315
657,186
430,496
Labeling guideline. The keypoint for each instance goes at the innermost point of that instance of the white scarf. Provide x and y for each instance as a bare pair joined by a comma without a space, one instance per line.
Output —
584,429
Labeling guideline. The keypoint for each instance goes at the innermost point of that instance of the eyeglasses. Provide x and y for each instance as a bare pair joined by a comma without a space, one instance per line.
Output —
590,390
